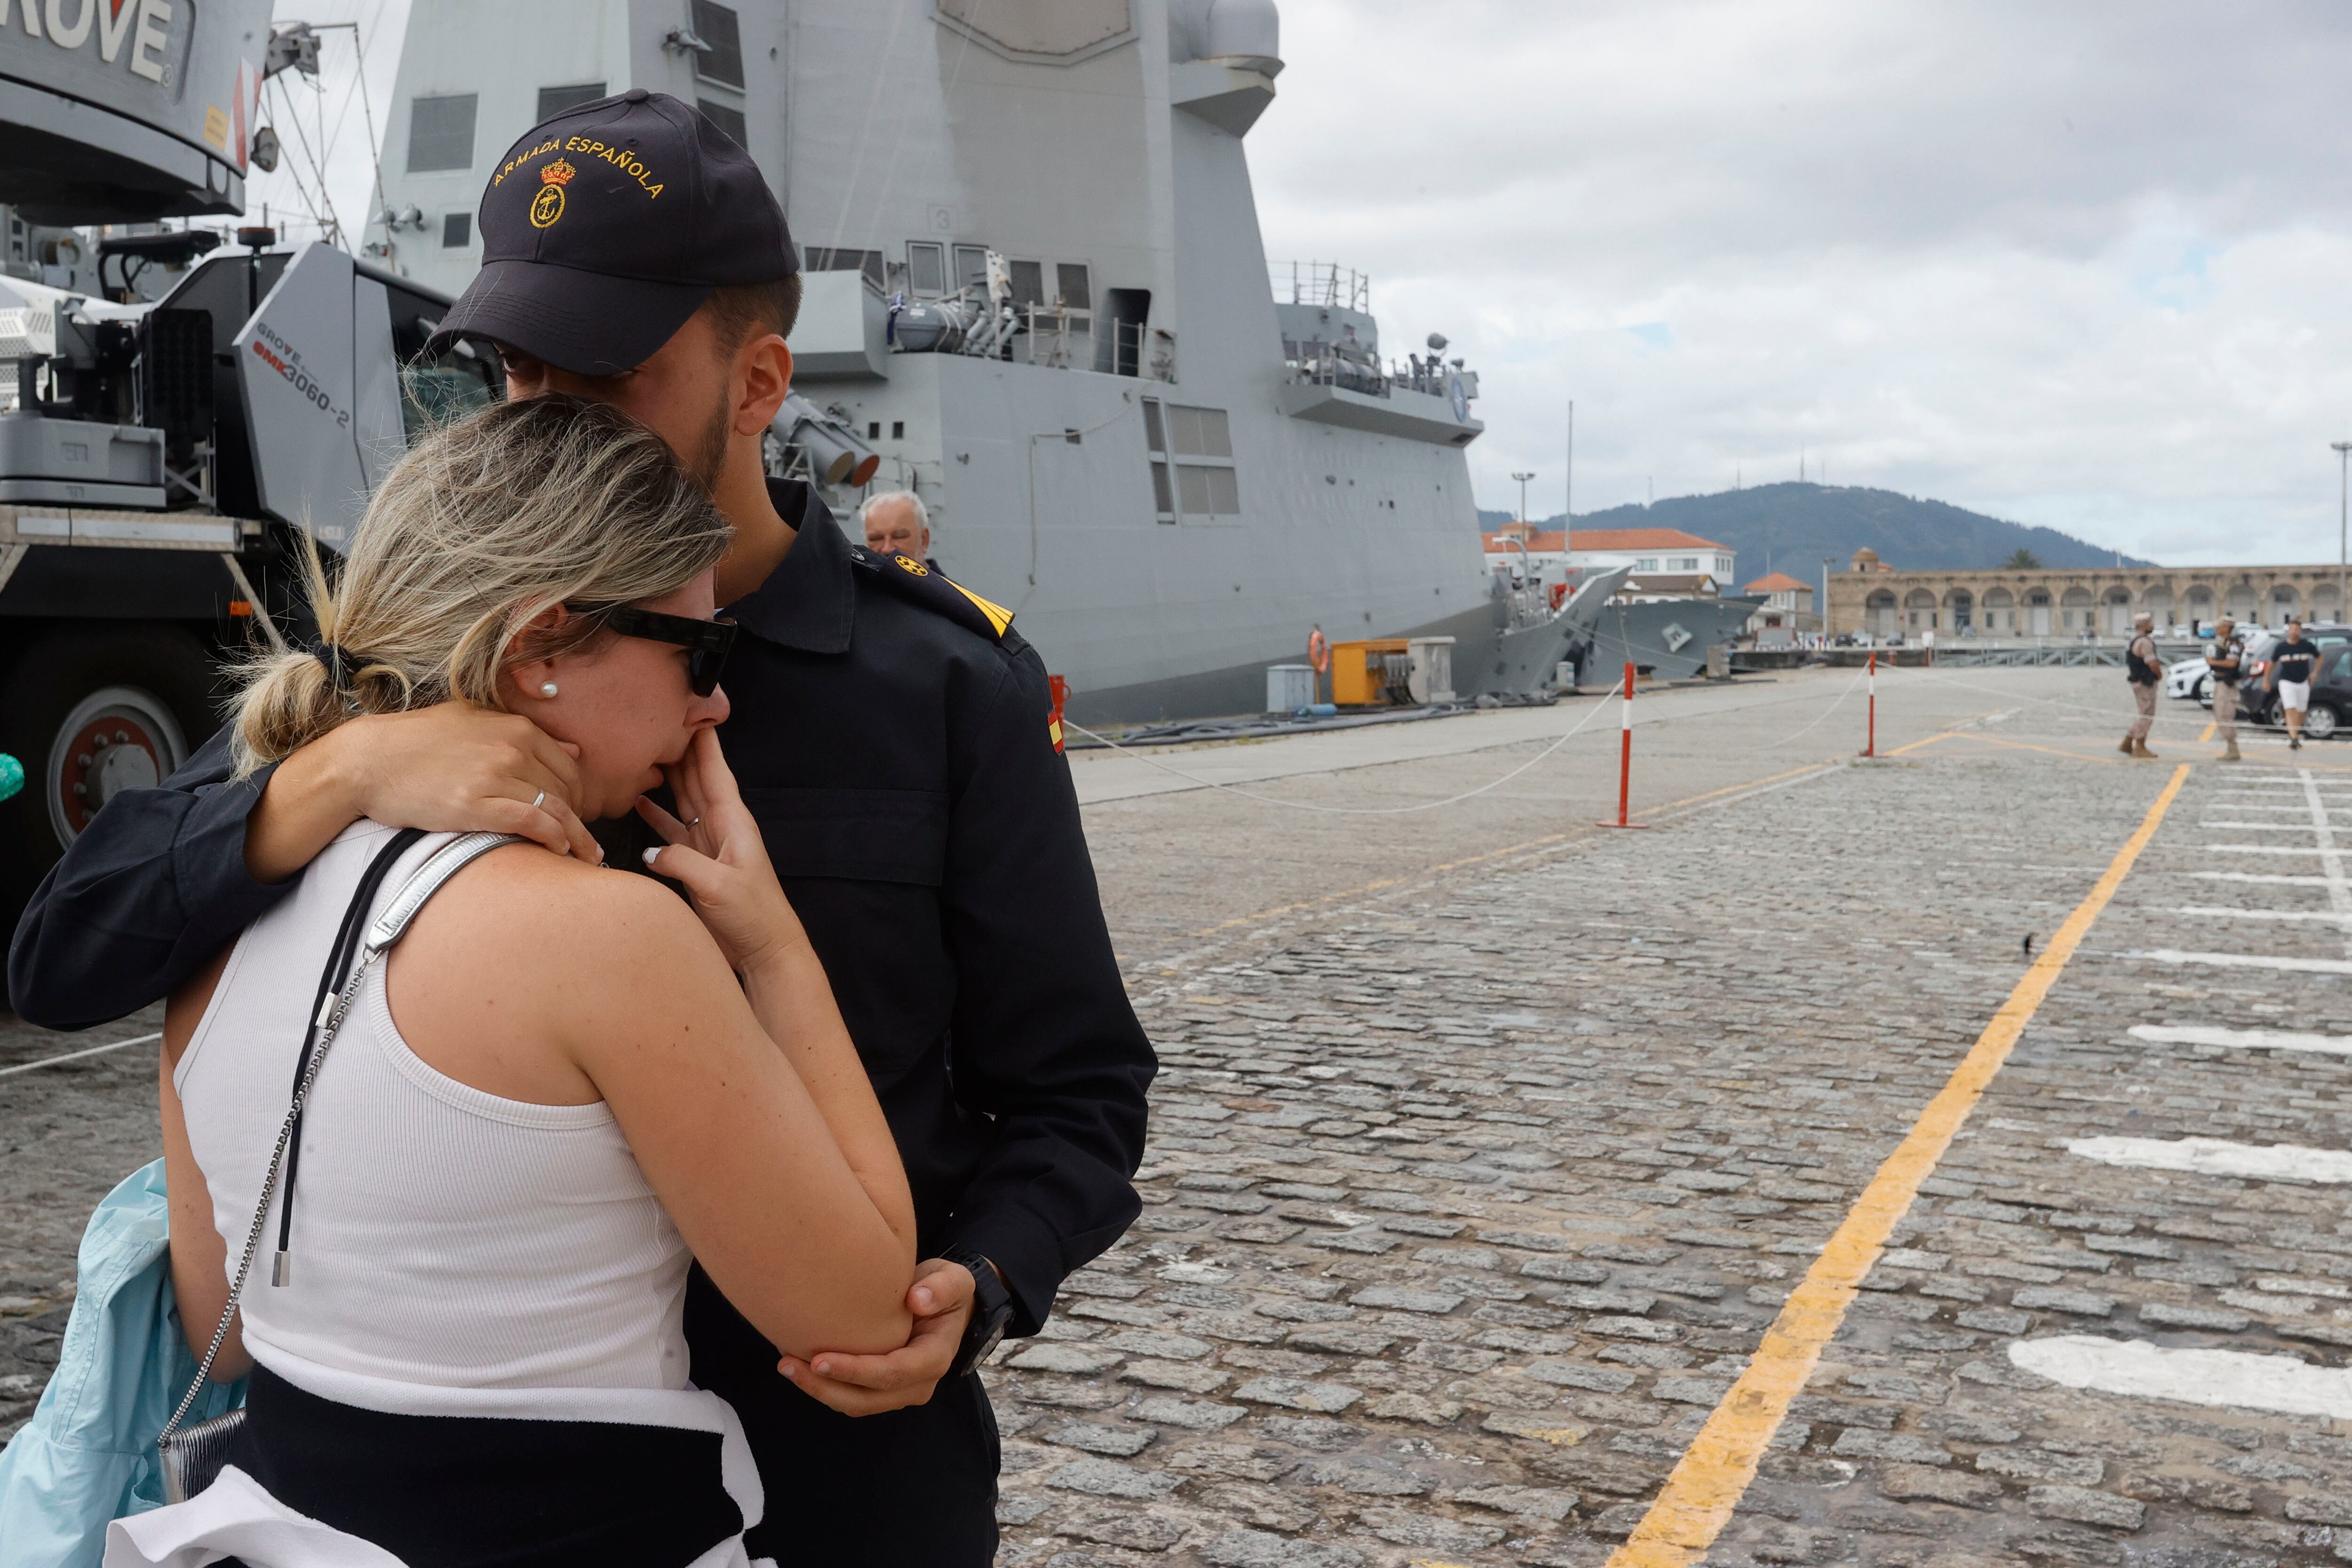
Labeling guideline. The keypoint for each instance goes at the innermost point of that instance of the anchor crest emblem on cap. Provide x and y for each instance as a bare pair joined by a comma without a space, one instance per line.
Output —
548,205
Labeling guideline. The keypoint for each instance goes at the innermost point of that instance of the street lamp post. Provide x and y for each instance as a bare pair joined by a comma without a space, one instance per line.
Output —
2343,518
1568,497
1526,565
1825,600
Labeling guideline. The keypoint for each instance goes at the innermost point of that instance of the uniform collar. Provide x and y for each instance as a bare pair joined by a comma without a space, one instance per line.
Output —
810,600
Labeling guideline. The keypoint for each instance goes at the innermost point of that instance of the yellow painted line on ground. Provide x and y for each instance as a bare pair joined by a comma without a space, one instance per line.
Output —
1715,1471
1310,903
1947,734
1926,741
1735,789
2206,734
2047,750
1444,866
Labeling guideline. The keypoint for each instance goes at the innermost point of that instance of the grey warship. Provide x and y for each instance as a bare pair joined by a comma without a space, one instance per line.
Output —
1037,295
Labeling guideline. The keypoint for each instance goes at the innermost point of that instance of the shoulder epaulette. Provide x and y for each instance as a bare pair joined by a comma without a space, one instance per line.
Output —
925,585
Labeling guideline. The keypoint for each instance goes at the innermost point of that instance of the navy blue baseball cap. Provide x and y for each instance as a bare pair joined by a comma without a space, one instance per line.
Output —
607,226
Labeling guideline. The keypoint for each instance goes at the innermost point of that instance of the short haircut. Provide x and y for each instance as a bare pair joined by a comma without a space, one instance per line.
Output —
922,513
740,309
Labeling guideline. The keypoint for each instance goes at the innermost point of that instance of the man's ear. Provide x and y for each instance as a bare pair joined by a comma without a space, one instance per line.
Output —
763,375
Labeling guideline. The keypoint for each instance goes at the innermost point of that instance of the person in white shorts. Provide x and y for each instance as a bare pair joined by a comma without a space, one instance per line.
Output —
2291,664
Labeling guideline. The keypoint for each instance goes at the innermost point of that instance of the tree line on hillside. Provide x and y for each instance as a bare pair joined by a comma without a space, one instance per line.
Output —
1791,526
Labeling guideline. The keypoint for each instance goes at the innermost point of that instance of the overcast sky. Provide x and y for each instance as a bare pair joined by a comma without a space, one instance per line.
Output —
326,115
2080,265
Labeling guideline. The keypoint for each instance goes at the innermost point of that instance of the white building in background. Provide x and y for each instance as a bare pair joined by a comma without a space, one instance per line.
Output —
1654,554
1786,609
1784,594
1651,553
1521,551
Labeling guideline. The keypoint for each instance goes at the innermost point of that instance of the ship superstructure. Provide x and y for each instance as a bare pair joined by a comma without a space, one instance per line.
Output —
1036,290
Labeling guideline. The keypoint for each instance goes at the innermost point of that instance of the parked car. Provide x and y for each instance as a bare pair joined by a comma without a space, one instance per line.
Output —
2331,683
2186,679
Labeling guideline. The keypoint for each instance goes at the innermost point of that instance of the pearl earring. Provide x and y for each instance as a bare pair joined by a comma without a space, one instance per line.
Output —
547,688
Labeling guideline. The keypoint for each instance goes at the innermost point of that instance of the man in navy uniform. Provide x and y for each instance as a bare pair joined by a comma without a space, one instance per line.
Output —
890,733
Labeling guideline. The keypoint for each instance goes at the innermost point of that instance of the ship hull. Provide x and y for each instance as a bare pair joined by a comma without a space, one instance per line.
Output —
1354,532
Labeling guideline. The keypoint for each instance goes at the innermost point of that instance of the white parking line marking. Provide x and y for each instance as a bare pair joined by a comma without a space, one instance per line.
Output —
2219,1156
2247,961
2259,877
2235,1378
2266,850
2265,827
2250,1039
2339,890
2263,913
2247,805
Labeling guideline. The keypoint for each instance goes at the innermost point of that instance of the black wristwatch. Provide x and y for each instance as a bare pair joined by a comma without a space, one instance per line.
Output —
991,1310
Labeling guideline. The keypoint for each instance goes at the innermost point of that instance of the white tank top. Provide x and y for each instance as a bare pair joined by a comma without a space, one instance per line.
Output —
442,1235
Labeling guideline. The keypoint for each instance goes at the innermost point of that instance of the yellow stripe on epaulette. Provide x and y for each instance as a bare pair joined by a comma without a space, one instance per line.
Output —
998,616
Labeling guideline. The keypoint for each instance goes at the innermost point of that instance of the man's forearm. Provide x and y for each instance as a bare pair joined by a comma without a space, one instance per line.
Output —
152,887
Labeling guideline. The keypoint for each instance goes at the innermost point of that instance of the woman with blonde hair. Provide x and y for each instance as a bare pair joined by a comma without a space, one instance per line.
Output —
533,1088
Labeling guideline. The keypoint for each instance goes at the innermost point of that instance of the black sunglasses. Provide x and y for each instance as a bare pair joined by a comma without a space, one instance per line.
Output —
710,641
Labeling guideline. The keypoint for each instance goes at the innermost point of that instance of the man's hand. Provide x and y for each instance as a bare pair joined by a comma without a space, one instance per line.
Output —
451,767
940,1298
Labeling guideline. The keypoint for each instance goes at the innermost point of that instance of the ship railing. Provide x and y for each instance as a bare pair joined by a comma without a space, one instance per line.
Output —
1432,375
1060,337
1069,337
1322,364
1325,283
1342,373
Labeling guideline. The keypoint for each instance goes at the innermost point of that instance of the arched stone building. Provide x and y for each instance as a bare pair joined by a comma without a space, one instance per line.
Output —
1873,597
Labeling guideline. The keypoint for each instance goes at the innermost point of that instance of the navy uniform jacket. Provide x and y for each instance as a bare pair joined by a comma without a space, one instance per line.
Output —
895,750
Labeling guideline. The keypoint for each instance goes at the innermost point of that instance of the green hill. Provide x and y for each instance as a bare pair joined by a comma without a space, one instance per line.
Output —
1791,527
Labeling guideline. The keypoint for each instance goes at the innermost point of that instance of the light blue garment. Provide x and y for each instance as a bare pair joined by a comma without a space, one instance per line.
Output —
89,1453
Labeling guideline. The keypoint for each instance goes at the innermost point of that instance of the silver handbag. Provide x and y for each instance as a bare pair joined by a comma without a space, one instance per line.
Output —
193,1458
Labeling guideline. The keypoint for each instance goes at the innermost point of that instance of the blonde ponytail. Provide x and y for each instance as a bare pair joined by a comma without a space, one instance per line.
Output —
485,524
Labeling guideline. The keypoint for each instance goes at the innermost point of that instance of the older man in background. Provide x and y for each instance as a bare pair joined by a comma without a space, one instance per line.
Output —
897,523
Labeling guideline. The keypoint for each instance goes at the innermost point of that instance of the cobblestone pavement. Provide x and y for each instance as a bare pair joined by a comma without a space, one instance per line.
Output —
1465,1202
67,1133
1487,1145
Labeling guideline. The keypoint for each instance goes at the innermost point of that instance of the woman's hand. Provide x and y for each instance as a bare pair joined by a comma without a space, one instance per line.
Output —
718,854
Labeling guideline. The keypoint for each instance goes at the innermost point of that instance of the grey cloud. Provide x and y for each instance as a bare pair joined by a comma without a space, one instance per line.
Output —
1871,232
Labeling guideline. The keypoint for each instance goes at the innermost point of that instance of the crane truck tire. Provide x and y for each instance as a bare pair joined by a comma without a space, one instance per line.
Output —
93,710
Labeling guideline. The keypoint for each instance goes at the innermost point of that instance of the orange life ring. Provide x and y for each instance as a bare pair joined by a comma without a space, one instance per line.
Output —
1318,652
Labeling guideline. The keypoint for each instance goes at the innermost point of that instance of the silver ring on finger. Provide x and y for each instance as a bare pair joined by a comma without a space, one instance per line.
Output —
694,824
538,800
